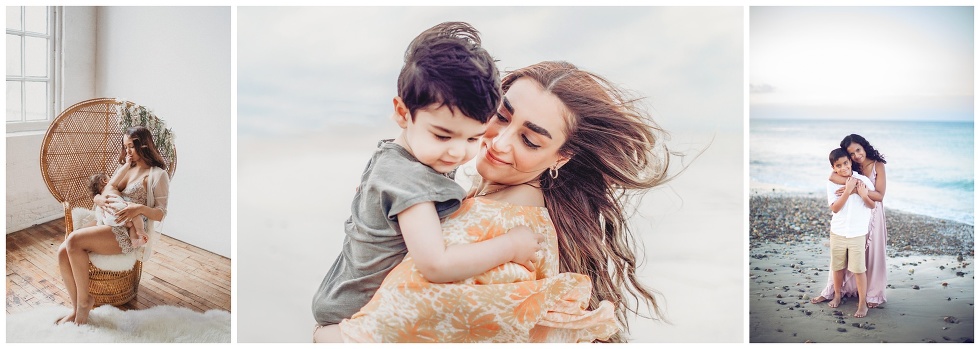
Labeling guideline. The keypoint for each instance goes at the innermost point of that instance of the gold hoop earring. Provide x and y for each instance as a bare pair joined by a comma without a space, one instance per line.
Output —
553,171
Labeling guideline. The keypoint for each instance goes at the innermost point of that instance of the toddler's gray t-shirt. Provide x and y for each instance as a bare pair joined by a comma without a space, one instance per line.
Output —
393,181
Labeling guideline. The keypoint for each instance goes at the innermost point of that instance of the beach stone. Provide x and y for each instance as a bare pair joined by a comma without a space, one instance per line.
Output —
914,287
838,313
966,339
780,302
841,329
942,267
945,338
779,295
779,330
951,319
960,274
945,284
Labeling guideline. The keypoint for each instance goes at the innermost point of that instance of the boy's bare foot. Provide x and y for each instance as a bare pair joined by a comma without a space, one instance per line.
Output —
834,303
819,299
862,311
872,305
84,307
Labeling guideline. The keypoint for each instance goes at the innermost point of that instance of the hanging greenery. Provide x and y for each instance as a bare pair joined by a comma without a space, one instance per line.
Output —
132,114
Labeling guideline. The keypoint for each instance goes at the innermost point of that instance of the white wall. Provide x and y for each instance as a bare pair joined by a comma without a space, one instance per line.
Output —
28,200
177,62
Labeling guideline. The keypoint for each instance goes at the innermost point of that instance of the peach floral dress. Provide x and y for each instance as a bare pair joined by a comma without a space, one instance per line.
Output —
505,304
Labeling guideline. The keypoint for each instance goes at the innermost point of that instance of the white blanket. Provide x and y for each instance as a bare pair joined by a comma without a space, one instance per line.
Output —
161,324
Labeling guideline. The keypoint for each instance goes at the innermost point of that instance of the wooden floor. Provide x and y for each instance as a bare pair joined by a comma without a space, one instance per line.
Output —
178,274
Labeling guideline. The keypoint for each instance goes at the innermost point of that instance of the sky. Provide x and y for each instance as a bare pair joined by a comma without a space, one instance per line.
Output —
872,63
303,70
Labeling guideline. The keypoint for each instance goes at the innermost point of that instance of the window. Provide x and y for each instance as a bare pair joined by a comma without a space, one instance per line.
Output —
32,62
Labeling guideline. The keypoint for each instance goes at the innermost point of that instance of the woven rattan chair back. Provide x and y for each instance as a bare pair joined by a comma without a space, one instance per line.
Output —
83,140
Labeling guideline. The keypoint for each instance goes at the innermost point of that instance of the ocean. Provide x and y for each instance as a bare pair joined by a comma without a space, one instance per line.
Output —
929,166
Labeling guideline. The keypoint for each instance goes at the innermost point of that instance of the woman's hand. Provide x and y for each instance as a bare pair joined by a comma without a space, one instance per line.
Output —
131,211
106,202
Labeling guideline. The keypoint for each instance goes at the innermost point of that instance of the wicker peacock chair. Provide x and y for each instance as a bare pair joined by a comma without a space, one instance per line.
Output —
83,140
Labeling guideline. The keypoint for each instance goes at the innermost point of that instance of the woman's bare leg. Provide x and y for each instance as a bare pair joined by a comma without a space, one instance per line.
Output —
99,239
65,267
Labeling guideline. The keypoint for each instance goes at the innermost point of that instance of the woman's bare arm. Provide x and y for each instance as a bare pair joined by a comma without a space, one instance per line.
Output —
879,193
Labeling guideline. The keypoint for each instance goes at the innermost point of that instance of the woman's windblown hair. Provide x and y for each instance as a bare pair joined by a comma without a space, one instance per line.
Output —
616,153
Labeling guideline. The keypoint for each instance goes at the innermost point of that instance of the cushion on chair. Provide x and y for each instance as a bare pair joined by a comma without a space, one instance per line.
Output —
83,217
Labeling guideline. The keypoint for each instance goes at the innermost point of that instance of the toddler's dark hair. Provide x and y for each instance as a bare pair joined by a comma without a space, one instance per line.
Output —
446,66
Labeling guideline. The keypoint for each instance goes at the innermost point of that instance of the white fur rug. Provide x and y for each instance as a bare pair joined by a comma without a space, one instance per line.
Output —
109,324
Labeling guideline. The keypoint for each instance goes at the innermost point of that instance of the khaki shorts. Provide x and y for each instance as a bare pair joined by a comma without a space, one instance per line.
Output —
847,251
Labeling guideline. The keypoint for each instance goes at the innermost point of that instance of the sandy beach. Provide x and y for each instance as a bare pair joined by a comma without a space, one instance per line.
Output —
294,195
930,276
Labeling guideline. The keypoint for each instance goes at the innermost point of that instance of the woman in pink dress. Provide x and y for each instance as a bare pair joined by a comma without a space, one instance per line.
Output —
867,161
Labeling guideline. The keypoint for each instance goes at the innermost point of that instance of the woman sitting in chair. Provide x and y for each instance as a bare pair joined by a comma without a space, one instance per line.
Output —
144,183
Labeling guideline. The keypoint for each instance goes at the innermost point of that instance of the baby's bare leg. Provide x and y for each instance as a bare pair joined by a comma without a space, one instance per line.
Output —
137,231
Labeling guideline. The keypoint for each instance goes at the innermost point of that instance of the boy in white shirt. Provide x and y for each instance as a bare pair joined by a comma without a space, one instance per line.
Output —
848,227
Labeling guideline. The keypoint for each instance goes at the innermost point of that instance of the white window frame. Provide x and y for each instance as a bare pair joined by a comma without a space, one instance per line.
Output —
53,78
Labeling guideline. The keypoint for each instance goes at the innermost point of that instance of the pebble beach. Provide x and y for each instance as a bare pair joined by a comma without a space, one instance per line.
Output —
930,294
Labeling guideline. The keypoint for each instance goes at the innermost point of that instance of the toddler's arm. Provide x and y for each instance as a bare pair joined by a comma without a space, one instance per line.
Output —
422,231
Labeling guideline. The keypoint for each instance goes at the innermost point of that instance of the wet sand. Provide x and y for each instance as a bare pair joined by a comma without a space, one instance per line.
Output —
930,276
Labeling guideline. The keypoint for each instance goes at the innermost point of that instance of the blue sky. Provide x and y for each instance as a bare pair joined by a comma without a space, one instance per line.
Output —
899,63
302,70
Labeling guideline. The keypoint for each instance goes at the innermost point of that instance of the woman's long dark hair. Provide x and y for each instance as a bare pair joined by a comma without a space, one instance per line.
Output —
143,142
869,151
614,157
